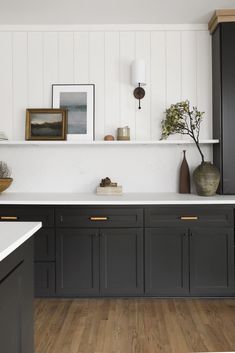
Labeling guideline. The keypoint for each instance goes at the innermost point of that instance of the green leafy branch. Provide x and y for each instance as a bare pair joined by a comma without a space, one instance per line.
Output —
180,119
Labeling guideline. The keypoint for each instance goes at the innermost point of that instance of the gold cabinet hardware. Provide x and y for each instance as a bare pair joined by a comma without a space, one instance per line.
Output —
98,219
189,218
8,218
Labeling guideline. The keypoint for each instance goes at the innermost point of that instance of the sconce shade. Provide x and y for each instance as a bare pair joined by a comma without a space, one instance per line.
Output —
138,75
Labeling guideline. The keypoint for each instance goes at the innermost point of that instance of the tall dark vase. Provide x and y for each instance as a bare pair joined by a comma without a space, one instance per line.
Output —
184,182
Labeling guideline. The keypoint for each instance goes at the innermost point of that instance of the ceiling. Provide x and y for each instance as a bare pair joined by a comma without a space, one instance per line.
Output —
109,11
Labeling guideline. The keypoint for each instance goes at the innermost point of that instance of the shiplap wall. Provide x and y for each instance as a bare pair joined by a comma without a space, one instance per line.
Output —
178,63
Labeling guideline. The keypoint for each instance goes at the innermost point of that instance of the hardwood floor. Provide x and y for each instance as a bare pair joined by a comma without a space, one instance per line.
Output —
134,325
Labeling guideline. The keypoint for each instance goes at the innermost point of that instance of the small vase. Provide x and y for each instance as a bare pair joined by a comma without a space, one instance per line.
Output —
184,184
206,178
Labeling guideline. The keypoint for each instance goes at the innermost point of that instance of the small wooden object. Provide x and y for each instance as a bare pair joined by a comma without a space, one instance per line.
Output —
109,138
184,187
5,183
107,187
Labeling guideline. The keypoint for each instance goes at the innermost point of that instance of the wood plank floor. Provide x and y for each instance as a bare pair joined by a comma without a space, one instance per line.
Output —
134,325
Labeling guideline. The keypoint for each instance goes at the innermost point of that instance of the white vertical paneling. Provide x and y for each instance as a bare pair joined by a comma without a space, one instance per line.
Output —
66,57
81,57
97,74
50,52
6,83
127,100
35,70
173,68
178,66
142,116
20,84
189,66
158,82
204,82
112,88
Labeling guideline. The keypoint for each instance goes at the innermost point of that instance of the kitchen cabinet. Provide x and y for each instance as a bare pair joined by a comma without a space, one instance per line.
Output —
211,261
77,264
16,301
121,262
159,250
166,261
44,243
223,72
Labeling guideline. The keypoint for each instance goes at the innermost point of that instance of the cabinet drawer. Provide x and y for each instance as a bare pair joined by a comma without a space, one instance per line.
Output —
44,245
98,217
44,279
189,216
27,213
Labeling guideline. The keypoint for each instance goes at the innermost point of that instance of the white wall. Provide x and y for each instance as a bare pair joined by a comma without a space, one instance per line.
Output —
178,61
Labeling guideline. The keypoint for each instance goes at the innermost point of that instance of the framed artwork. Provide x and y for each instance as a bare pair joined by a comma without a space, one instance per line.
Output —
46,124
78,100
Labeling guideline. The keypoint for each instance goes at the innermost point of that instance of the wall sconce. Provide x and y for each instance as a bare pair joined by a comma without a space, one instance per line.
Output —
138,79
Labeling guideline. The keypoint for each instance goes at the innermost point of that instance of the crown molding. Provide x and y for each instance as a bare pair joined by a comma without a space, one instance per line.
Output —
103,27
221,16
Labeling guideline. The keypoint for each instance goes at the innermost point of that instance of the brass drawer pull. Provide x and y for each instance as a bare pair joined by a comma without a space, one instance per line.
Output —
98,219
189,218
8,218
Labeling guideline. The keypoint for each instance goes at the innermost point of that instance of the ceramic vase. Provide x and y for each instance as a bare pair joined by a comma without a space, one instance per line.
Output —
206,178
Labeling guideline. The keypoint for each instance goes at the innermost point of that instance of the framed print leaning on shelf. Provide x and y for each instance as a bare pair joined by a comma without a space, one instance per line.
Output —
46,124
78,100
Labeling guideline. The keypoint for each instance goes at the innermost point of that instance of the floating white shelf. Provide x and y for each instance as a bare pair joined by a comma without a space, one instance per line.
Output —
107,143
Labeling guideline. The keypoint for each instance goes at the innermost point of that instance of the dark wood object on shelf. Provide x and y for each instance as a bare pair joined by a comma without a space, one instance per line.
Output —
184,184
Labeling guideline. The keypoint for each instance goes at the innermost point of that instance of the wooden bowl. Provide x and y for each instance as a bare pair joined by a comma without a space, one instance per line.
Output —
5,183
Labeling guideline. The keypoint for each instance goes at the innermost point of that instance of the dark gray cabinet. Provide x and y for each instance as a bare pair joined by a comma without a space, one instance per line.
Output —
121,262
16,301
223,68
44,243
211,261
77,262
166,261
131,250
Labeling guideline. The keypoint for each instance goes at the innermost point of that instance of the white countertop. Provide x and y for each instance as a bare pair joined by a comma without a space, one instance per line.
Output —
14,234
10,198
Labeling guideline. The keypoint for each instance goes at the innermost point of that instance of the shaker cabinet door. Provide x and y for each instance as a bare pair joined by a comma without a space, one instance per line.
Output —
212,261
77,262
166,262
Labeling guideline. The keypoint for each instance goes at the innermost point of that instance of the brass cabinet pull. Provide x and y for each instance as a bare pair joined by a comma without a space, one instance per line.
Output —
189,218
98,219
8,218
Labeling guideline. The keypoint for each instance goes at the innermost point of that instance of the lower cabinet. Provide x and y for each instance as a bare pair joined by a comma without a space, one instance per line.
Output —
212,261
166,261
16,301
77,262
121,262
197,261
92,262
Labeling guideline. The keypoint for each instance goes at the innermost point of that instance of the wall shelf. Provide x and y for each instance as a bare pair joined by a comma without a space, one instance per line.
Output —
103,143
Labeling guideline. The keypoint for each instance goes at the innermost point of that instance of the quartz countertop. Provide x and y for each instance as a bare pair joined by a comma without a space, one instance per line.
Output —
14,234
10,198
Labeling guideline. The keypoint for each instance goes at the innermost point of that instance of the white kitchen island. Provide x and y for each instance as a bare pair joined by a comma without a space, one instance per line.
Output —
16,286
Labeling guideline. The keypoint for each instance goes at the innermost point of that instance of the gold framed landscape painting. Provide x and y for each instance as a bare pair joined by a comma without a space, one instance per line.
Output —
46,124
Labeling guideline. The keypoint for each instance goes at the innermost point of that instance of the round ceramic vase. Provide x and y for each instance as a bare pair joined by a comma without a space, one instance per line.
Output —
206,178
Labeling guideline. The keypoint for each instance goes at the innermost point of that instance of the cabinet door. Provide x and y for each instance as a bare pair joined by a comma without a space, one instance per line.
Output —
44,245
212,261
121,254
77,262
44,279
166,261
